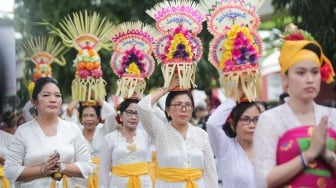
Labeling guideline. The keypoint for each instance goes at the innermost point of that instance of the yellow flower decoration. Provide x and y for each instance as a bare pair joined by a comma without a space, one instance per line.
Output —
133,69
179,38
229,42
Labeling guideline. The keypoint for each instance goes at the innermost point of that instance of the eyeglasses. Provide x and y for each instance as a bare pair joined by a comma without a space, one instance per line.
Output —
129,113
247,120
179,106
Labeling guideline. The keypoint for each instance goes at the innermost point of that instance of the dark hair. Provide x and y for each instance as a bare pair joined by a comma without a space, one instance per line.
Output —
82,107
282,97
314,48
262,103
235,115
197,108
124,105
40,83
171,95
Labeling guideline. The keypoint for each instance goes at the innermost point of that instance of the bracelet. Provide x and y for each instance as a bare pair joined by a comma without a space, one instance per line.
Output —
42,170
303,161
62,168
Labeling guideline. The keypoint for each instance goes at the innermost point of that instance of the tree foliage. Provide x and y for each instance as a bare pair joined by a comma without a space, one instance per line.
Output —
30,12
316,17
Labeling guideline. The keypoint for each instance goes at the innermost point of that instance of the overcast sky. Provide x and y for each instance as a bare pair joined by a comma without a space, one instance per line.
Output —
6,6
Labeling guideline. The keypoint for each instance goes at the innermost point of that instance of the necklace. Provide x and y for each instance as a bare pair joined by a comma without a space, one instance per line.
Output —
131,147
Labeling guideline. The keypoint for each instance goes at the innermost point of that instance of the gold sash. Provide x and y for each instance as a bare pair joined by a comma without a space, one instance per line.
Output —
180,175
153,167
133,171
93,178
4,181
65,182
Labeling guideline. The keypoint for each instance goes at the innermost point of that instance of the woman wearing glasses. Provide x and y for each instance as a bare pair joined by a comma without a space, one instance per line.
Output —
183,151
124,154
233,146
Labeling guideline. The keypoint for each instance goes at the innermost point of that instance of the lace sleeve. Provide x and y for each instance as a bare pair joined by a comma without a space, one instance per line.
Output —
106,110
210,172
15,157
26,111
218,138
82,155
105,155
264,145
110,123
150,121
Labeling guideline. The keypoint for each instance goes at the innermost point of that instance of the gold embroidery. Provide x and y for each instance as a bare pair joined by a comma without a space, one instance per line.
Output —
132,147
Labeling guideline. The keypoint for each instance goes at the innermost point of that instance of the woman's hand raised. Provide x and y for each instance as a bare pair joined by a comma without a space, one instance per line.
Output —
318,140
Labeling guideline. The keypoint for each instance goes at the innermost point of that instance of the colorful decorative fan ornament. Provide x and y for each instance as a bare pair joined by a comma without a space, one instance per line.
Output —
85,32
236,47
42,51
131,59
178,49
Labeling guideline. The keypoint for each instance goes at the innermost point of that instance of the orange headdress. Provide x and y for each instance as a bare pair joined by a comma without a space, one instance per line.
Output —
178,49
42,51
299,45
236,47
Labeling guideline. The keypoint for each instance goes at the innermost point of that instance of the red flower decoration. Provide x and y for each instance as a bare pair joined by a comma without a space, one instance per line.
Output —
295,36
118,118
326,71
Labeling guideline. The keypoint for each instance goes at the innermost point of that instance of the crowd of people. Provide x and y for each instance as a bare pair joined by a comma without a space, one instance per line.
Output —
194,145
234,143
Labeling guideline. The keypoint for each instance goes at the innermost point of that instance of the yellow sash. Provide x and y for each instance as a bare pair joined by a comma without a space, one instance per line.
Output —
65,182
180,175
153,167
4,181
93,178
133,171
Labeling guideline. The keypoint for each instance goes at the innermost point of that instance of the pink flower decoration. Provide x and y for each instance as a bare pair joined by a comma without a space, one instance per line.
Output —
97,73
238,43
251,50
83,74
245,42
229,64
236,53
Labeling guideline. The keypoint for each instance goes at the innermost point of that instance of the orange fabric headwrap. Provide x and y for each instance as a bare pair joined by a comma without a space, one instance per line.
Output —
292,52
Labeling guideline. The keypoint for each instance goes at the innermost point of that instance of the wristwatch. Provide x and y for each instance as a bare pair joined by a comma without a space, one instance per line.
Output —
62,168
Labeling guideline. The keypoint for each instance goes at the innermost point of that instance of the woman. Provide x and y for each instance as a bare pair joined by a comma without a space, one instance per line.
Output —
184,154
47,147
71,113
294,142
5,139
125,152
93,132
233,149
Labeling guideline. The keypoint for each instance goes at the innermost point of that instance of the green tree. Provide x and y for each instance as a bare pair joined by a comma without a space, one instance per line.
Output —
316,17
30,12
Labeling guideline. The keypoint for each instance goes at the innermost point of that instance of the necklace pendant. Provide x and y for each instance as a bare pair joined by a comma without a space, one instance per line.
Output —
132,147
